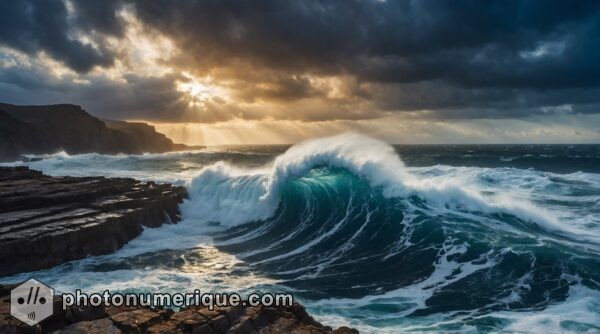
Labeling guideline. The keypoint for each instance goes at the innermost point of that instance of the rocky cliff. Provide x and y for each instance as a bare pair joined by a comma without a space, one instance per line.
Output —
50,220
142,135
17,136
53,128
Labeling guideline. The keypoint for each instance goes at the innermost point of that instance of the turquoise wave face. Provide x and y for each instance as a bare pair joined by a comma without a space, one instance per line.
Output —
335,237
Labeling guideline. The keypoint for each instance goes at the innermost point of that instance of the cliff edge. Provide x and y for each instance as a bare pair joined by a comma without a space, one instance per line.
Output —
69,128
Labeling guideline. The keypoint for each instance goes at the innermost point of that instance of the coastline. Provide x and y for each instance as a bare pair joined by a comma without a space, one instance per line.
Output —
51,220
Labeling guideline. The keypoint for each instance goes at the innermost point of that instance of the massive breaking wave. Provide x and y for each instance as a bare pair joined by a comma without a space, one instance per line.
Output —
364,240
342,218
230,195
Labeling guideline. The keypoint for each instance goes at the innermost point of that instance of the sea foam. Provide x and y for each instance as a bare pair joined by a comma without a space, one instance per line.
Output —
232,196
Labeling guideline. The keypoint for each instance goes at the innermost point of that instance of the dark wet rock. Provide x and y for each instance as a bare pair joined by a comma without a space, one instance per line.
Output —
188,320
196,320
166,313
204,329
345,330
220,324
101,326
89,313
45,221
233,313
244,325
164,328
137,321
208,313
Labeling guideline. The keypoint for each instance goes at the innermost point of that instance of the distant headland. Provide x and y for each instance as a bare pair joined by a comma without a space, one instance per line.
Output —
67,127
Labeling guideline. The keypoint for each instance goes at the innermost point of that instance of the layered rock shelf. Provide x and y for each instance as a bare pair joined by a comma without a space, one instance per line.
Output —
46,221
197,320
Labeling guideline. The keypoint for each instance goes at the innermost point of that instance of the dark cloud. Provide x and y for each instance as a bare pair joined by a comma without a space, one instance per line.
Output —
43,25
133,98
277,88
525,44
451,101
461,59
505,58
99,16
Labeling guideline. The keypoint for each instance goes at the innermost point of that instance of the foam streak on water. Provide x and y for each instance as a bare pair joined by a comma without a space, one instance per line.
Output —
464,239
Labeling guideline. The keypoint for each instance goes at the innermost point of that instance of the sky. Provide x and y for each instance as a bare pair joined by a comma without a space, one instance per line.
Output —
271,72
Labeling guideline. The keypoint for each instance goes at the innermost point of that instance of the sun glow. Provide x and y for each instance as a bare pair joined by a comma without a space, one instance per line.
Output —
201,91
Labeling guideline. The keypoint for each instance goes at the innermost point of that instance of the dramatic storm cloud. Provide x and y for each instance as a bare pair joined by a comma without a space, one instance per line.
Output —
350,64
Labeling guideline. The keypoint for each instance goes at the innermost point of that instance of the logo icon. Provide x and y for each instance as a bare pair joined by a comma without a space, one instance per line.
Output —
31,302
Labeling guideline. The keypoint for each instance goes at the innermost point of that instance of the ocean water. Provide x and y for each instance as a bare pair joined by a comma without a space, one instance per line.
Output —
386,239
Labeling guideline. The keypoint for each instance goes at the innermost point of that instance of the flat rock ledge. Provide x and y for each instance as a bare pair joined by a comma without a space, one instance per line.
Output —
46,221
196,320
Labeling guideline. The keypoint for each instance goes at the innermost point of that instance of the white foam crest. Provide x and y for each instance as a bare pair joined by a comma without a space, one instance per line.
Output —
233,196
228,195
509,186
453,194
368,158
577,314
145,167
